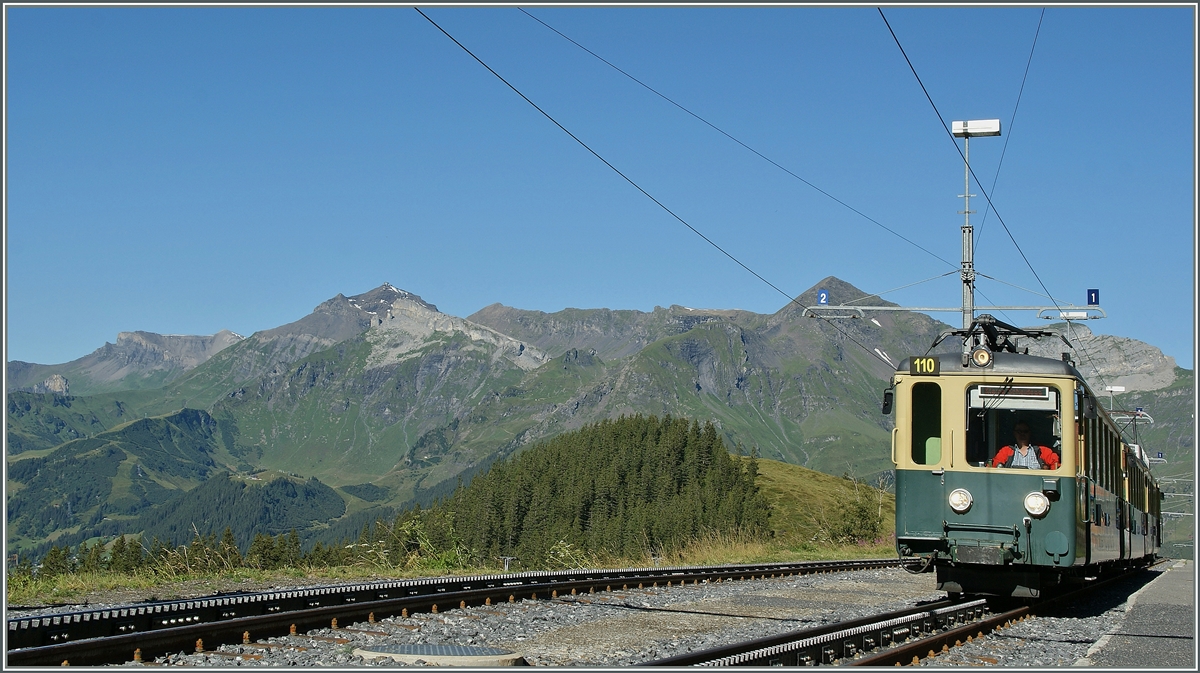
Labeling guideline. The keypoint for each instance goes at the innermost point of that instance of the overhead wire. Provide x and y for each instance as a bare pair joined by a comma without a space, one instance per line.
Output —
638,187
902,287
1008,136
1004,282
979,182
754,151
950,135
739,142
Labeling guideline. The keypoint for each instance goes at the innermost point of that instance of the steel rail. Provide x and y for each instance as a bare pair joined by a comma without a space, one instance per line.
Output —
891,639
936,643
111,635
906,653
828,643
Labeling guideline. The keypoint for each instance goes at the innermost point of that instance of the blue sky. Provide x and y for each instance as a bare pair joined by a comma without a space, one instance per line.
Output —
186,170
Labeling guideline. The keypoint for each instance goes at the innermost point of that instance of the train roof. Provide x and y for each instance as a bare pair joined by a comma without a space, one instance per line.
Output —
1004,363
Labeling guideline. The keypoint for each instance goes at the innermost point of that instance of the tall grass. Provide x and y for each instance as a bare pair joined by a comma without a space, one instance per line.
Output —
176,582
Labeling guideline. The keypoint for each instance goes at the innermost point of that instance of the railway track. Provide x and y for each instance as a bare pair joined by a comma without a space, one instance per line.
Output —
835,642
892,639
112,635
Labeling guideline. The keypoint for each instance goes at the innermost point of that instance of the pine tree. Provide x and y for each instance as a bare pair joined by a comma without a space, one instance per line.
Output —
159,551
635,483
116,557
228,549
262,553
289,549
91,559
134,556
57,561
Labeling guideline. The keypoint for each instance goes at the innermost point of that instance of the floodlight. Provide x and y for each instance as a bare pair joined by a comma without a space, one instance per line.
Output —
975,128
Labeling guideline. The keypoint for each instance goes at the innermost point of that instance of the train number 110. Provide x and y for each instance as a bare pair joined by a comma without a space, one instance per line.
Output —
924,366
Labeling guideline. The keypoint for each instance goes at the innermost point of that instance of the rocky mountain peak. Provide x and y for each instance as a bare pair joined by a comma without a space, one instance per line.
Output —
840,292
384,297
1107,360
342,317
408,321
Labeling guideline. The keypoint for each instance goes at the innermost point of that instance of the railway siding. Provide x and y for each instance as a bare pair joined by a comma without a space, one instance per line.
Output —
616,628
634,625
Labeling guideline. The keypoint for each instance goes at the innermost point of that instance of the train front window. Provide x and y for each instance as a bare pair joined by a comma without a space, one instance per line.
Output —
1013,425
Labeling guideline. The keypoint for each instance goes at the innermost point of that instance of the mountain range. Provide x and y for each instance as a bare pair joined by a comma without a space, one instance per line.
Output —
388,401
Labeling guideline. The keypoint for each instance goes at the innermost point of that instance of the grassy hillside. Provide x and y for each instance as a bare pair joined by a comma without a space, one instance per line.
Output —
806,505
332,416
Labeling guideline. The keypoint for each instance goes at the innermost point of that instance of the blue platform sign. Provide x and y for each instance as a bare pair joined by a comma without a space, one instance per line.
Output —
822,297
1093,298
1160,454
1138,409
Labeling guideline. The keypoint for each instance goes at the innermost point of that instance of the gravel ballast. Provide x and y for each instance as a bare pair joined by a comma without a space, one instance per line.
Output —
628,626
621,627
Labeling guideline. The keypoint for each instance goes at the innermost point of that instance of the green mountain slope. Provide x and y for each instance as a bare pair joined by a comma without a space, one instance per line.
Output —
805,505
796,387
113,475
334,416
1173,429
245,507
43,420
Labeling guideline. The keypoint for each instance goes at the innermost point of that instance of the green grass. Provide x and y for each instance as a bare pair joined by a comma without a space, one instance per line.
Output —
802,501
709,550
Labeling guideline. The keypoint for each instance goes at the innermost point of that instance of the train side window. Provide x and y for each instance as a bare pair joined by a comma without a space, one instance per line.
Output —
1092,450
1110,462
1089,447
1082,432
926,423
1110,455
1114,463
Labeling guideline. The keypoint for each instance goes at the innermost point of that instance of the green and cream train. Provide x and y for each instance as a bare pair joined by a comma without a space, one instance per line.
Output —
1087,504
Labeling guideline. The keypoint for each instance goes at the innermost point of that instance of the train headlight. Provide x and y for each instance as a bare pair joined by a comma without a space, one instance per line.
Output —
981,357
1037,504
960,500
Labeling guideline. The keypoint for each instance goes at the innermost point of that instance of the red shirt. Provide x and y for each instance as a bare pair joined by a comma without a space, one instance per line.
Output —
1045,454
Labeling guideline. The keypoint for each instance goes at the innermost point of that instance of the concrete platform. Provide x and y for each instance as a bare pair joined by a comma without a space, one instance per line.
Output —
445,655
1159,628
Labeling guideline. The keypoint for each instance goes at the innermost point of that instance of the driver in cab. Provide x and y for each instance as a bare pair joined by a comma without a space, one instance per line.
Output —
1023,454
